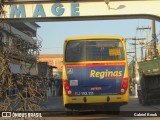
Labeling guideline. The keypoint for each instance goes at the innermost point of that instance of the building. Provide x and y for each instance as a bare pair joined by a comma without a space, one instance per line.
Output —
20,41
52,59
55,60
18,61
151,51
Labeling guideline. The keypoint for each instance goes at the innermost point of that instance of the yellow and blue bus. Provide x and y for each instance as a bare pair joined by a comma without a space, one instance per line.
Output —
95,73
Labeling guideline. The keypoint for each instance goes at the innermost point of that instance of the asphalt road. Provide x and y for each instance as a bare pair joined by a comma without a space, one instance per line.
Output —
55,107
54,110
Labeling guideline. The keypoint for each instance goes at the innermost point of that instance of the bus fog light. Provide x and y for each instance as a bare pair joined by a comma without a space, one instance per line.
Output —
122,90
69,92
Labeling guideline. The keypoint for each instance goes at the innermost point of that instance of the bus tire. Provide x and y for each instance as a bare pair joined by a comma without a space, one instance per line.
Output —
139,96
144,102
144,98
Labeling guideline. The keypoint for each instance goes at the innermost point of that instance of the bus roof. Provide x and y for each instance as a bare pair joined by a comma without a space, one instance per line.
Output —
94,37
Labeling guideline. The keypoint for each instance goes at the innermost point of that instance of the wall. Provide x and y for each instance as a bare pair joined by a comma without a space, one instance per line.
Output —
52,59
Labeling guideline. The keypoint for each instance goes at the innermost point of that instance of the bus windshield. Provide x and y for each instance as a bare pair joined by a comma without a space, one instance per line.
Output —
94,50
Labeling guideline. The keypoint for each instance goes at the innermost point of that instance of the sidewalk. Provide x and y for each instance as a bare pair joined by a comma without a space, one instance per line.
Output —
54,103
133,96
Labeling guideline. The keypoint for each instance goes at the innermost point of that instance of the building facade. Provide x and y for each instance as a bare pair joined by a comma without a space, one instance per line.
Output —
54,60
18,43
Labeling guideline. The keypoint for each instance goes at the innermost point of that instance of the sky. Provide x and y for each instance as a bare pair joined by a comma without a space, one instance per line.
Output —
53,34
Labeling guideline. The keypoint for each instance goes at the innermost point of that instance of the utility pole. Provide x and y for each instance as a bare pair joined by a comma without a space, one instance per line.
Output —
135,47
146,52
142,43
135,44
154,42
135,51
135,70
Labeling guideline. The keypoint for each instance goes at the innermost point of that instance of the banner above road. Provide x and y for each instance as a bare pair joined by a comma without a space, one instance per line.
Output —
91,10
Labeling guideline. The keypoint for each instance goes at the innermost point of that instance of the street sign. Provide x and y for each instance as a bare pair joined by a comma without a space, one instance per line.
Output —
81,10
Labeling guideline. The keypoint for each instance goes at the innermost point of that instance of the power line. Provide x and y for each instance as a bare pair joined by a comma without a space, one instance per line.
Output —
146,30
135,46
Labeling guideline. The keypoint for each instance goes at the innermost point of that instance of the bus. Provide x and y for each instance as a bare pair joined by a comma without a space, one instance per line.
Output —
95,73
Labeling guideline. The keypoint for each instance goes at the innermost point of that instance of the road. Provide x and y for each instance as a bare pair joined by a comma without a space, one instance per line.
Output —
135,106
56,109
